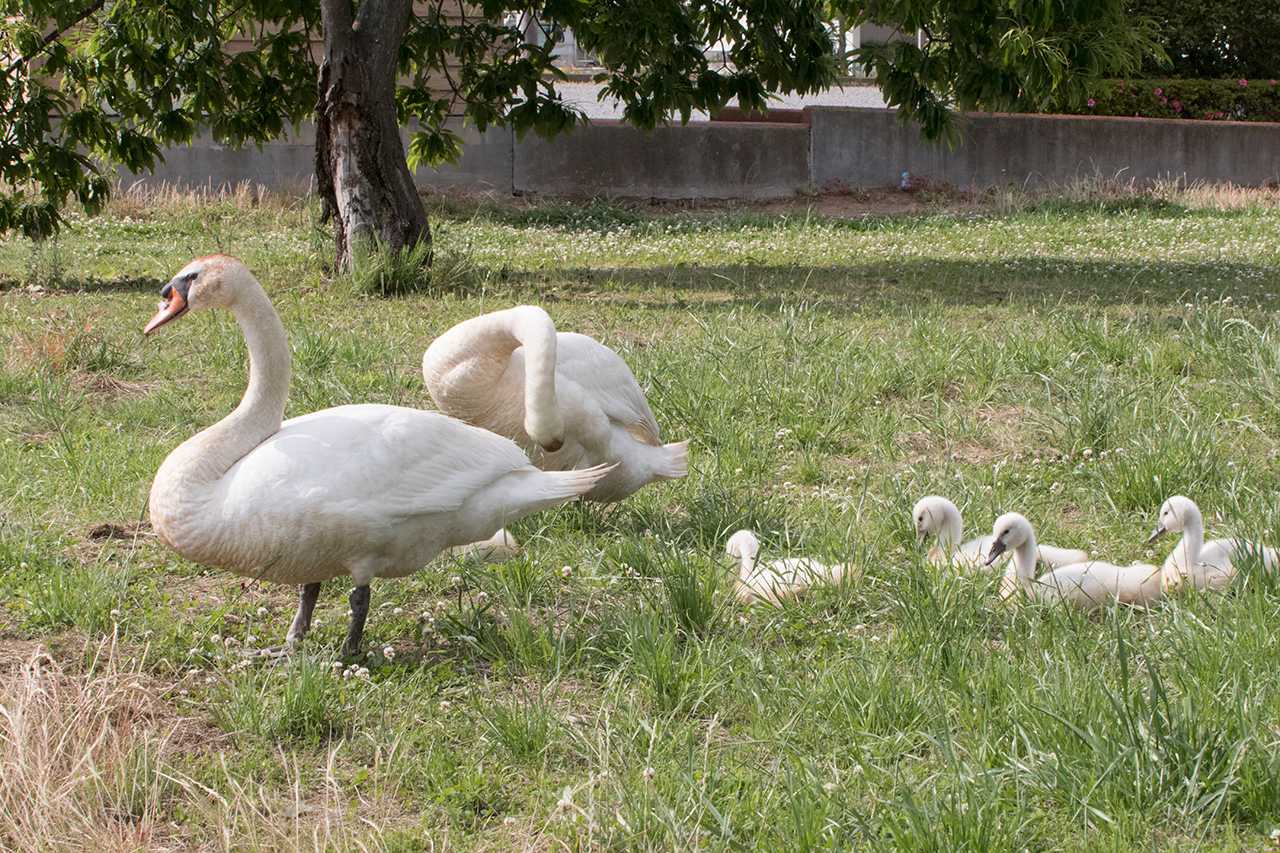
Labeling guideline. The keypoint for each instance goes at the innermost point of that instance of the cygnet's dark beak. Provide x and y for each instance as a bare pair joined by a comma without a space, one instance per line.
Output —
997,548
1156,534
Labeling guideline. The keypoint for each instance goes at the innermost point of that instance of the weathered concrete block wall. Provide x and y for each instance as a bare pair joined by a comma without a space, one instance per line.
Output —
289,163
706,160
823,148
865,147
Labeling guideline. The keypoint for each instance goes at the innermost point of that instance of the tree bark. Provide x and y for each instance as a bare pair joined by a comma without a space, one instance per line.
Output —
364,181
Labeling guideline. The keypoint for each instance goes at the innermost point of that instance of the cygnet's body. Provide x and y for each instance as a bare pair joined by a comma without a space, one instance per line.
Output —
1087,585
1208,565
777,580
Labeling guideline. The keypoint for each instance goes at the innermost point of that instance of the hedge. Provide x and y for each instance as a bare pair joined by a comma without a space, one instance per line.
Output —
1222,100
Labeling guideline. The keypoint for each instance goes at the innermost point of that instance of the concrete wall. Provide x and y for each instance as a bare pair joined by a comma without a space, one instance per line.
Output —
861,147
703,160
823,148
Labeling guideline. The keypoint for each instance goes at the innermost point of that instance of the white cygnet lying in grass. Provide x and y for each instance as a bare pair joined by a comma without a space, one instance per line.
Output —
1088,585
498,548
776,580
937,516
1208,565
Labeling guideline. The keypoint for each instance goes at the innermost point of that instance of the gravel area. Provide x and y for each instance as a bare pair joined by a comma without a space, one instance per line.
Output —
586,97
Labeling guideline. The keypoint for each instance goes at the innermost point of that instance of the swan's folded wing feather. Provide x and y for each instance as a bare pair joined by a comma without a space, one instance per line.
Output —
605,378
369,459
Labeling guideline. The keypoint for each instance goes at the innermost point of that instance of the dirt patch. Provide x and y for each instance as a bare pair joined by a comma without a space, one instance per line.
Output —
111,530
108,386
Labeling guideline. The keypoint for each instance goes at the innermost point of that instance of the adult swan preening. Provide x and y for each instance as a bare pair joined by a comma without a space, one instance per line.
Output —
362,490
568,399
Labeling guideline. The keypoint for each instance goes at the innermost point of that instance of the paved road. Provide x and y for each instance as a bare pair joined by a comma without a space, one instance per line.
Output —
585,96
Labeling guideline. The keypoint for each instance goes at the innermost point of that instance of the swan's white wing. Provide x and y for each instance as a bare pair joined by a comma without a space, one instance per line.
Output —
607,380
973,554
1053,556
1085,585
364,460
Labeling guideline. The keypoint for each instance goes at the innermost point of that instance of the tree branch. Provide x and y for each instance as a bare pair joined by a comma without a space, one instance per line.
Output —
54,36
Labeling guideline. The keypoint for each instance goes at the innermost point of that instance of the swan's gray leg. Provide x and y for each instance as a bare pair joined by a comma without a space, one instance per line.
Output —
359,602
309,594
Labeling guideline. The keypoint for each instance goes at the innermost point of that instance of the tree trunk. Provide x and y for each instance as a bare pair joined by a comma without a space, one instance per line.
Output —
365,184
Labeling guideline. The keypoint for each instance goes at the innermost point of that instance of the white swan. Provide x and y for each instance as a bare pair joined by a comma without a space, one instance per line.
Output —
937,516
1209,565
364,490
777,580
566,398
1088,585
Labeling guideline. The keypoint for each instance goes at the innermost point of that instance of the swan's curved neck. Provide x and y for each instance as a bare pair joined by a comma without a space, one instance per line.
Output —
207,456
467,360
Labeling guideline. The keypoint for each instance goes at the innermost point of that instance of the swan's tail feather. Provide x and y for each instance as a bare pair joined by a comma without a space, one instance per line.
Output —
674,463
556,486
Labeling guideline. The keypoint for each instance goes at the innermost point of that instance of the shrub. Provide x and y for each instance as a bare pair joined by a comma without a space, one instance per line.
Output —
1215,38
1235,100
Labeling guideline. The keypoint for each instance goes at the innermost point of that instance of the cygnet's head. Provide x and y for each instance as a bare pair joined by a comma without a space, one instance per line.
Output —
1175,514
502,545
1010,531
742,545
209,282
931,515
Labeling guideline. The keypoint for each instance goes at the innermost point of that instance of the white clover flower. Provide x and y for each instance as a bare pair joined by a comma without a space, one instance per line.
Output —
648,774
389,652
566,571
262,611
399,611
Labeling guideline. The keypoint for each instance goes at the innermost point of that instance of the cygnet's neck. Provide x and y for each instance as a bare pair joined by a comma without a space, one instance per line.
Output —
951,531
1192,541
1024,559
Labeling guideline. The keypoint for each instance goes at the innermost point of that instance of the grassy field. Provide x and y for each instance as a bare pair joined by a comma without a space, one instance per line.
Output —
1078,359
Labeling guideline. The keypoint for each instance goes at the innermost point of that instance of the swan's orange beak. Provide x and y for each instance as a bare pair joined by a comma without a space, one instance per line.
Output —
174,305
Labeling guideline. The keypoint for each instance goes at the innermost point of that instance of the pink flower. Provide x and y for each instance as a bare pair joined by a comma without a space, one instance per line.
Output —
1163,99
1158,91
1091,102
1244,84
1177,105
1272,82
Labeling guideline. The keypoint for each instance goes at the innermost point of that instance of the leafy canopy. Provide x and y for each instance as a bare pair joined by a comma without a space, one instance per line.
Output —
91,84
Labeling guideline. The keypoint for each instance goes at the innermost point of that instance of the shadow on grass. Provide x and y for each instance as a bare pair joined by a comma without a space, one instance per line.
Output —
848,288
88,284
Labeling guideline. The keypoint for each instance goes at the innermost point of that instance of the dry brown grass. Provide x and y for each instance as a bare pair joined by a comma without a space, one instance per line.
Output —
92,760
82,757
143,199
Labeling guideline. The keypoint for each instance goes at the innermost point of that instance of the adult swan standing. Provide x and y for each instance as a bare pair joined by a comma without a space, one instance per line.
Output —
566,398
361,490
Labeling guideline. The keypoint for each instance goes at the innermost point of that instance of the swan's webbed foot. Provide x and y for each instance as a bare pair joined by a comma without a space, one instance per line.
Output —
359,602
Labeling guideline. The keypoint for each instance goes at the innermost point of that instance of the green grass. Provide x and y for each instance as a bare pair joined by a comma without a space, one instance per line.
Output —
1077,359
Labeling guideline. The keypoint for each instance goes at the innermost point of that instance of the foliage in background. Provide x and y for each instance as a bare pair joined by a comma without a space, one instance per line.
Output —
1233,100
999,55
131,77
1215,38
